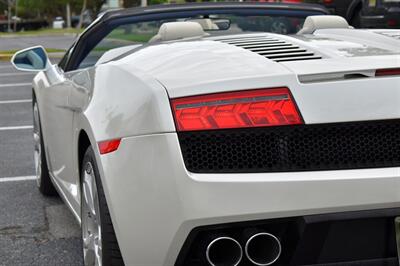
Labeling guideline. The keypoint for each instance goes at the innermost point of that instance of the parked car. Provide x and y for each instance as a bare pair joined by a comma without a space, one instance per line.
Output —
360,13
58,23
24,24
184,135
86,19
381,14
366,13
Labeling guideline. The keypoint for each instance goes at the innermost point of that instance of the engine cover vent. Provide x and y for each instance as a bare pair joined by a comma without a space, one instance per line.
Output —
271,48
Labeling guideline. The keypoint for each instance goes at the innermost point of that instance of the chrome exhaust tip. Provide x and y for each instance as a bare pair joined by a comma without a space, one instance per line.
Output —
224,251
263,249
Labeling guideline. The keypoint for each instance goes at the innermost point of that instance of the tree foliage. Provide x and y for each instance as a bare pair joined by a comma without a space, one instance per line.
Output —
3,6
53,8
131,3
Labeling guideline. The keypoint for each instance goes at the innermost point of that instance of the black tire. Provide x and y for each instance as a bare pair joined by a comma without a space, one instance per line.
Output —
44,182
110,248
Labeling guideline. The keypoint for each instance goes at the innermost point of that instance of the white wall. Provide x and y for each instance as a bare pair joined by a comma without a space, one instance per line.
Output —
113,3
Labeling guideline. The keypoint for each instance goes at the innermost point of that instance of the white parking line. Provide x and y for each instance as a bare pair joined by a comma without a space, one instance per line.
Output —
16,74
15,128
15,85
17,178
16,101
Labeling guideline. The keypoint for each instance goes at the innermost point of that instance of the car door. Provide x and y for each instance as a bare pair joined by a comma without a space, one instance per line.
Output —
57,116
57,128
62,100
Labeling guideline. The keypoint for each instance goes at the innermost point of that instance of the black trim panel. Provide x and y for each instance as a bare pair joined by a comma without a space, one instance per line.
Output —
336,239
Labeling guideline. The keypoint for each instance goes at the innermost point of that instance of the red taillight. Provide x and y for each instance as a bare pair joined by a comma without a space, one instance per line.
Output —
109,146
387,72
391,22
254,108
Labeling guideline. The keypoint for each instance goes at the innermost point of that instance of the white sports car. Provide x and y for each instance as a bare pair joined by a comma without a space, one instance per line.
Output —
224,134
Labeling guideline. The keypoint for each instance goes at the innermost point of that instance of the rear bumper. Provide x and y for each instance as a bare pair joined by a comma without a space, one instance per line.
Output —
155,202
349,238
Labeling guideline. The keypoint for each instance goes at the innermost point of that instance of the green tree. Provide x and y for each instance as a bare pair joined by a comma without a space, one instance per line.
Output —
157,2
3,6
131,3
52,8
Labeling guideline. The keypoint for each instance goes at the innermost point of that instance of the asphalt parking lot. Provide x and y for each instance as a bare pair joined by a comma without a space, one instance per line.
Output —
21,42
34,230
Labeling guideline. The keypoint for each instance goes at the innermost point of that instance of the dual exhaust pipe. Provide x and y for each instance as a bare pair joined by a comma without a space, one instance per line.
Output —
261,249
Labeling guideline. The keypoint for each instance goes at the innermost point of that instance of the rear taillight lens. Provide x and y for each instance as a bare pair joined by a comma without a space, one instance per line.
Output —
254,108
387,72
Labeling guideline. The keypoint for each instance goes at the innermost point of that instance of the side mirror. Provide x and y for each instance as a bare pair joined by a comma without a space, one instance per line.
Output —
223,24
32,59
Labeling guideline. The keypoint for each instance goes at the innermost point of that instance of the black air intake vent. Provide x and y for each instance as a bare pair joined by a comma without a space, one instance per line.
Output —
271,47
317,147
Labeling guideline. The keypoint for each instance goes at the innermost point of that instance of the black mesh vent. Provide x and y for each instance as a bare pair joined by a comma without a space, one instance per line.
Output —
370,144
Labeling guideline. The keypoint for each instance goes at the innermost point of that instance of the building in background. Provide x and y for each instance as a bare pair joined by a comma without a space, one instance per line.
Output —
113,4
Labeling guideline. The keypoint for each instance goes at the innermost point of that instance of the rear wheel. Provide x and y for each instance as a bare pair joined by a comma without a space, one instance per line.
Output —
100,246
43,180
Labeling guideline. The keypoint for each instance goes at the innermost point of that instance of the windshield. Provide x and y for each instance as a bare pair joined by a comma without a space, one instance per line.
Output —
136,33
214,25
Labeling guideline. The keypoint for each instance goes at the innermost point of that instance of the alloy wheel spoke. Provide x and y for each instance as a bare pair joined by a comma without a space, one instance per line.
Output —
91,226
98,250
36,137
88,241
88,192
38,145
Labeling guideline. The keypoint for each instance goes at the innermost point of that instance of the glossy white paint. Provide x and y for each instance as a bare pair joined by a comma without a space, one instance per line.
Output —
144,195
145,180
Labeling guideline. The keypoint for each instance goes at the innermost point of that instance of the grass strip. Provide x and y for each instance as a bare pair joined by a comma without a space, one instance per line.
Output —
41,32
6,55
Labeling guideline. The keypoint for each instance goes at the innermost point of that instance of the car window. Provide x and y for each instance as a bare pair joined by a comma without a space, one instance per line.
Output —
125,35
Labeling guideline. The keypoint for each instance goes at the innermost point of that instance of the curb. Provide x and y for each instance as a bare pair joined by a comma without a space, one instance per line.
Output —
5,57
13,36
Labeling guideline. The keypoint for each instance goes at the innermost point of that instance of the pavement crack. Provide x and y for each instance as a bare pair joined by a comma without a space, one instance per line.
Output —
10,230
40,234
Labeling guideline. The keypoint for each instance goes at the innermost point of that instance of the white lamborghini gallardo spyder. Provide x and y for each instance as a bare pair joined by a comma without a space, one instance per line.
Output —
224,134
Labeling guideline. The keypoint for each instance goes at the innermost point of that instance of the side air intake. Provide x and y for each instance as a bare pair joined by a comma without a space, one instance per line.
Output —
271,47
